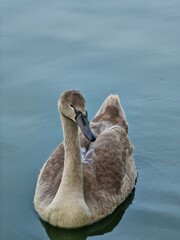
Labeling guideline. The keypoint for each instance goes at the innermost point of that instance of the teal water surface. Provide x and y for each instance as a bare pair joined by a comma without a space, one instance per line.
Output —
99,47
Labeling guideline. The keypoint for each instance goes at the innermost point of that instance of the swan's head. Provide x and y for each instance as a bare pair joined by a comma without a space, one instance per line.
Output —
72,105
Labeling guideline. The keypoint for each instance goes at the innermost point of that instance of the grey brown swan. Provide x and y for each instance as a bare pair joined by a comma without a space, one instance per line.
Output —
92,171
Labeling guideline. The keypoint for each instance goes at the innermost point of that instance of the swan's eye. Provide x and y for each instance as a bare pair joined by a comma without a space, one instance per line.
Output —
73,108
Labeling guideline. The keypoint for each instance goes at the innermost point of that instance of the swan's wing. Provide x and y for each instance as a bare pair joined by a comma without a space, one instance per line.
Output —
50,177
111,111
106,158
109,171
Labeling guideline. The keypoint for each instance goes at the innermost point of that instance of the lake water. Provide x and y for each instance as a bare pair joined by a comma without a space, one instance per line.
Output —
99,47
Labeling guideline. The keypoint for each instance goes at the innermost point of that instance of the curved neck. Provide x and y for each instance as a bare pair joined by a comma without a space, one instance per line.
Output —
69,201
72,178
71,138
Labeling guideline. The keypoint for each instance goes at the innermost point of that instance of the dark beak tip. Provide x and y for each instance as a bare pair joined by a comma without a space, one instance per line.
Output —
93,139
92,136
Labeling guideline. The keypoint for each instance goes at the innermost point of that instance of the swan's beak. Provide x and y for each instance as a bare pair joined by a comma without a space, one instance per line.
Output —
83,123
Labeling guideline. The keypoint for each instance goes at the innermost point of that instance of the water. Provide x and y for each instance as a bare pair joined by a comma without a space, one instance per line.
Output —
100,47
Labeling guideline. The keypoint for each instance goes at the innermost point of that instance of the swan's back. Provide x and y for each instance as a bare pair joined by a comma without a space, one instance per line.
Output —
108,167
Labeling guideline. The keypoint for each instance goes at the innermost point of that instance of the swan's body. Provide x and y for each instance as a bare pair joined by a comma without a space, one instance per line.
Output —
72,193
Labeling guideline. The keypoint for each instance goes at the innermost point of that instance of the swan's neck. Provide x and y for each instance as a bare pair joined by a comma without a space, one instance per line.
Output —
72,179
68,207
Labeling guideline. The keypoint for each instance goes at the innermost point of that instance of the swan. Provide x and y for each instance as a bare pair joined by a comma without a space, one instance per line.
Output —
92,171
